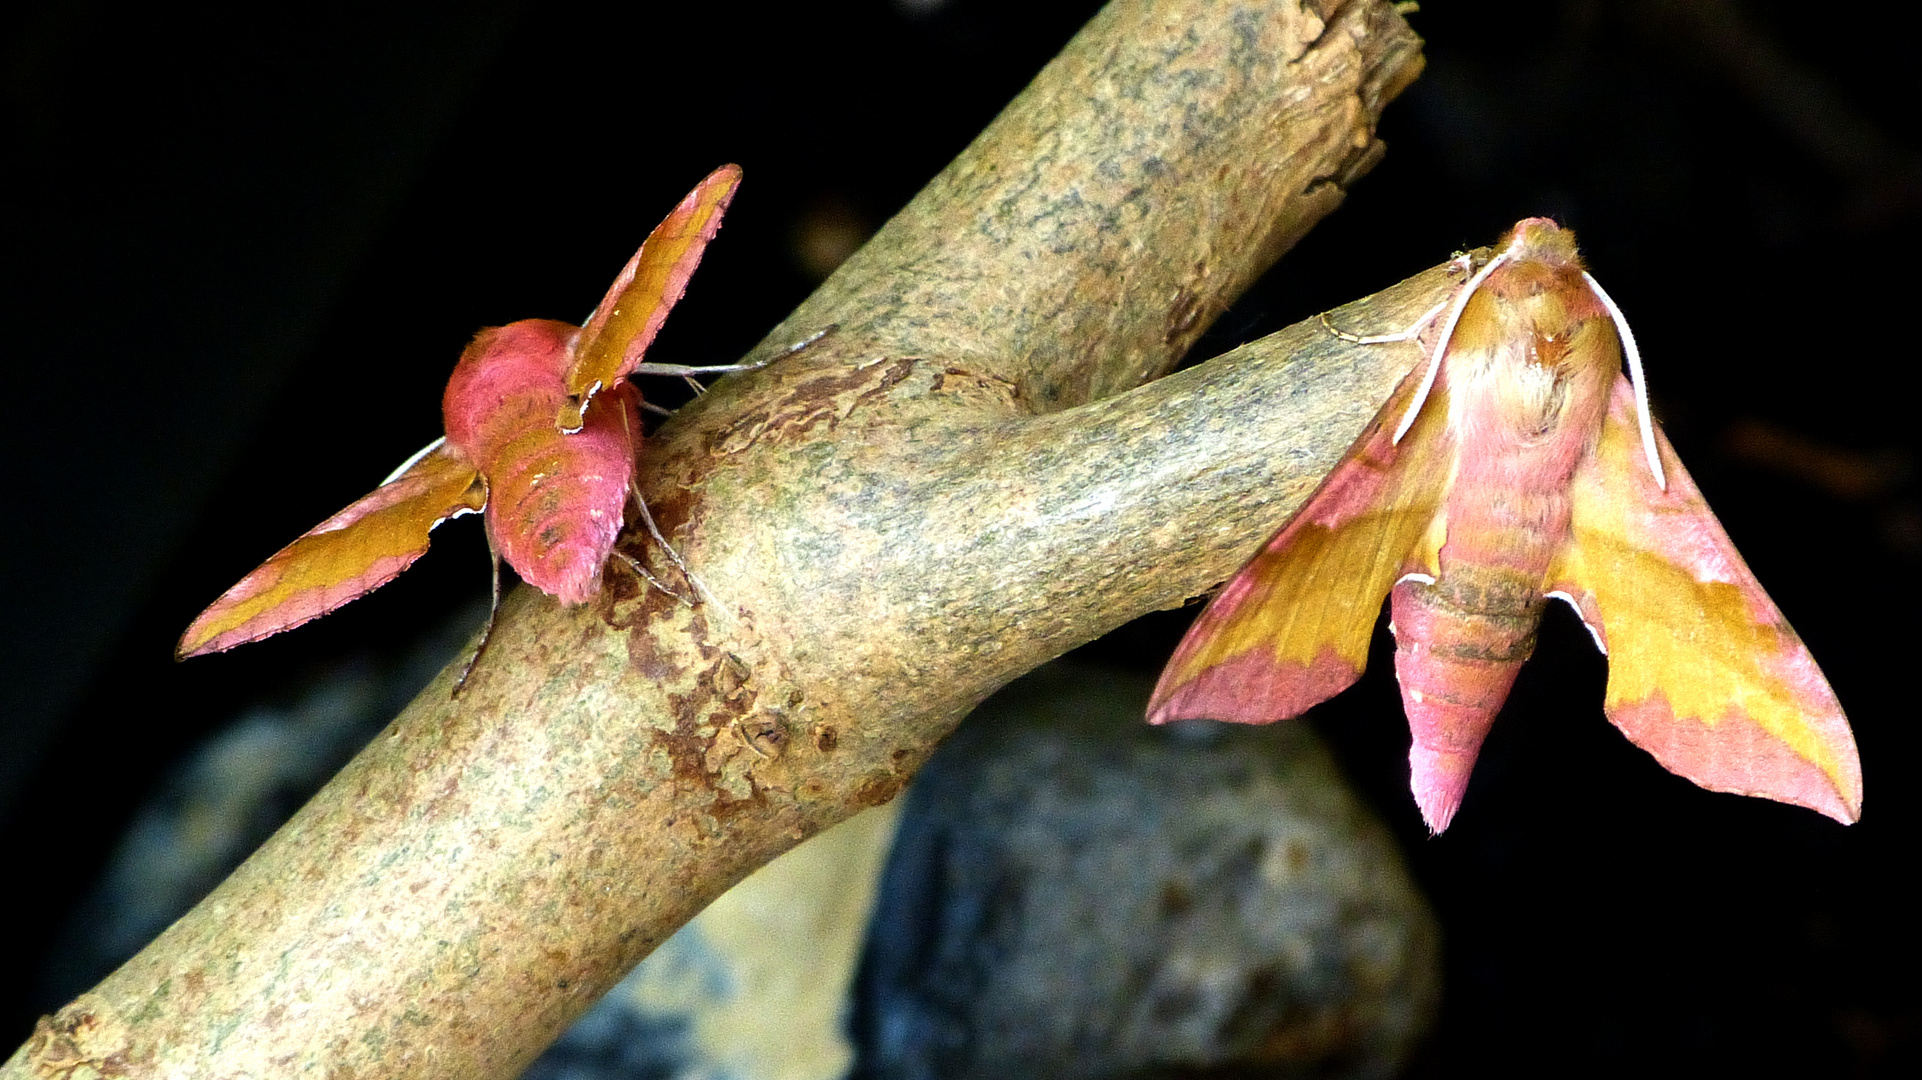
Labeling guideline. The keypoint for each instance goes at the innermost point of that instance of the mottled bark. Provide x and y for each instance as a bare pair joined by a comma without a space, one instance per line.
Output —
961,482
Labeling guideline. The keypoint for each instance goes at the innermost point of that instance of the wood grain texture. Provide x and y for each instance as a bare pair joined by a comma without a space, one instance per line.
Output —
959,484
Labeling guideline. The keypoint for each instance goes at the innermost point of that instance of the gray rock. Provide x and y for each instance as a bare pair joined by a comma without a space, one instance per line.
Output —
1075,894
755,987
228,795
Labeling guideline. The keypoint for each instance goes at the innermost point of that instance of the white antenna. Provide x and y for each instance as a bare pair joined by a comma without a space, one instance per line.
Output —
415,460
1635,376
1441,344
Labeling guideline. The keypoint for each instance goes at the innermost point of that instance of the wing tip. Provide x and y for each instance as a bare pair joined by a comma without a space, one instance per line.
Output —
1735,754
717,190
188,646
1847,811
244,633
183,651
1251,688
217,629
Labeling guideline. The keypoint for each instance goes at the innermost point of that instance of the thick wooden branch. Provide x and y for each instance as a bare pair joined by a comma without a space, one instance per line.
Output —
964,480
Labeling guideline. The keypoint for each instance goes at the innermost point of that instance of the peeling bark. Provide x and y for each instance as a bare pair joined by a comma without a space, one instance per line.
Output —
966,479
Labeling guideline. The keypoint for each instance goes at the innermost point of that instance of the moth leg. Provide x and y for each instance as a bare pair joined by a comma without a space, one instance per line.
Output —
635,565
656,409
487,629
1411,333
654,531
701,369
1460,264
687,370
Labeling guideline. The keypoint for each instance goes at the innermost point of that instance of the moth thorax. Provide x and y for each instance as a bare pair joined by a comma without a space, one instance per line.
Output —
1510,396
1535,399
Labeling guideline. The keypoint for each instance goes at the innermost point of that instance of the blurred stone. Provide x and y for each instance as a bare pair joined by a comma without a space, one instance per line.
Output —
1075,894
755,987
225,798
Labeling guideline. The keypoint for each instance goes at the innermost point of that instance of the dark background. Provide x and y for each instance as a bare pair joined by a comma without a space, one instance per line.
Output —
243,248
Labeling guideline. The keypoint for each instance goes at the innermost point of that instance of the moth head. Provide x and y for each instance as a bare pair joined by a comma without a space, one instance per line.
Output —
1540,239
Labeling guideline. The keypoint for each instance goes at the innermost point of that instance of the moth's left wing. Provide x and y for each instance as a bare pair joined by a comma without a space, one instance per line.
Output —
1292,628
349,555
630,315
1703,671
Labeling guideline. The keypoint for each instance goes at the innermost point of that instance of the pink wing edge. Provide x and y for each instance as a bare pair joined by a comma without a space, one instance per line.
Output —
1735,755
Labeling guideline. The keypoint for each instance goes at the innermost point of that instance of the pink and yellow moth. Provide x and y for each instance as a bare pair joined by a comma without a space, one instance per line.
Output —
542,434
1519,464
